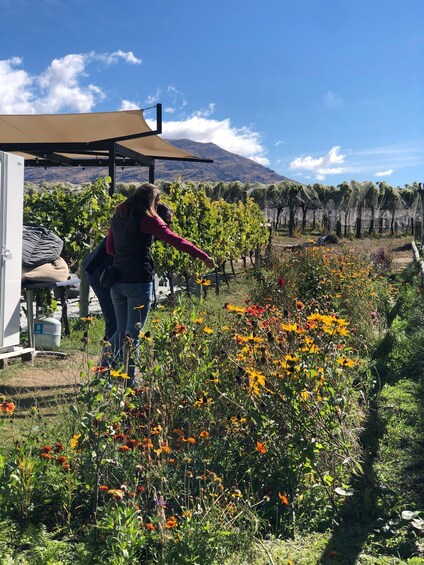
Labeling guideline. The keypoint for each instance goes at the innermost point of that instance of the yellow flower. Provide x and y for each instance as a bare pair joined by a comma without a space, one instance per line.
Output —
208,330
198,321
346,362
118,375
74,441
139,307
204,282
256,380
232,308
292,328
146,336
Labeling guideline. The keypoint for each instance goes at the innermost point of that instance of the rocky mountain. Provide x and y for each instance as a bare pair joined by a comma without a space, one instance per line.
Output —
226,167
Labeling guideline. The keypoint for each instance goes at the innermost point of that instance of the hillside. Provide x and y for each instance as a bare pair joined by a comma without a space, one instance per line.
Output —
226,167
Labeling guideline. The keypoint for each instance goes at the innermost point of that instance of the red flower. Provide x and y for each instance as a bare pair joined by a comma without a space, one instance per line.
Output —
281,281
254,310
7,407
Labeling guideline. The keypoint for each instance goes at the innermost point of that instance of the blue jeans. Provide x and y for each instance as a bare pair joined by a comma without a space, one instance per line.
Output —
105,301
131,302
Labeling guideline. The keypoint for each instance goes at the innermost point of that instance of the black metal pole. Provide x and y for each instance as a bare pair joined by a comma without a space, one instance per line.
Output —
112,169
152,174
159,118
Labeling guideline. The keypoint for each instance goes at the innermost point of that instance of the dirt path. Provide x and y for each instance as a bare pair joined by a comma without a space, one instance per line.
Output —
45,382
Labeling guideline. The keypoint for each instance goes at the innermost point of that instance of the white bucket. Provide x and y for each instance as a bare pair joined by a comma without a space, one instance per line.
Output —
47,332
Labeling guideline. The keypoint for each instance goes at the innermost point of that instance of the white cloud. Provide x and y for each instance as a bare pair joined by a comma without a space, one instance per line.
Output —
205,112
153,98
110,58
279,142
384,173
242,141
322,166
60,87
15,88
332,100
128,105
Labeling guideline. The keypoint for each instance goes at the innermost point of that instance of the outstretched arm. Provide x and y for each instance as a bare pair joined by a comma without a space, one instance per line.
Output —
160,230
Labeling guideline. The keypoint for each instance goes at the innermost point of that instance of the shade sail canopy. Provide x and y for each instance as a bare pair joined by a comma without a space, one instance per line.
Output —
96,139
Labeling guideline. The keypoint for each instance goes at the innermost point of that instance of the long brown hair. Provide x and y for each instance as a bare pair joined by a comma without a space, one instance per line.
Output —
144,200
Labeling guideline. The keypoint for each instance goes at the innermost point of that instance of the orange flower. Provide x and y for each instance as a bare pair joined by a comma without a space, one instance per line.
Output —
283,498
172,522
7,407
191,440
147,443
261,447
117,493
124,448
103,488
150,527
204,434
99,369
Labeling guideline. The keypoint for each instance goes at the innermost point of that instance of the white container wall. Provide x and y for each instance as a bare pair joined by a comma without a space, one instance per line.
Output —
11,220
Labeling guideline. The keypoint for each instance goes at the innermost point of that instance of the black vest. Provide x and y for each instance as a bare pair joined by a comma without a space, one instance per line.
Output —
132,250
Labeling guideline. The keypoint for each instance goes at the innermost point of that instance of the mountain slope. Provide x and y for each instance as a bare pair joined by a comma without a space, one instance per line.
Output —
226,167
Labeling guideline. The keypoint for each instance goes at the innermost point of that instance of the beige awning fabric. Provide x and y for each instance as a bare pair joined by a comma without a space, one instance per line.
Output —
52,139
60,128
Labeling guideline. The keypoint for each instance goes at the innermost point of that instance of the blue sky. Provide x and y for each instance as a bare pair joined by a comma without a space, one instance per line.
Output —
317,90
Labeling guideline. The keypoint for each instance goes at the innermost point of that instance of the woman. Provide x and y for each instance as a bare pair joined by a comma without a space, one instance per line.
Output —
133,227
96,262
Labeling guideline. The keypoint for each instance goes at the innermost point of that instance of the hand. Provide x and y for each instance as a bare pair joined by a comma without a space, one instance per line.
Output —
210,263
